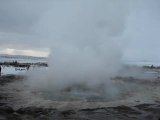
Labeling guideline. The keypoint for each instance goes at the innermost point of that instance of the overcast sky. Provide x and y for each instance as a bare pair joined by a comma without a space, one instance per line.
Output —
18,18
143,30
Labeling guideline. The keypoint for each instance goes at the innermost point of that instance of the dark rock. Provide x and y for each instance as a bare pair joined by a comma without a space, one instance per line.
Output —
68,112
36,112
3,117
30,110
6,109
153,110
143,106
148,117
43,117
14,116
125,109
91,110
3,104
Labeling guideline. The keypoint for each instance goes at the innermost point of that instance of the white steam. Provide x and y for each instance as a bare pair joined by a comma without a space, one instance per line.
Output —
85,38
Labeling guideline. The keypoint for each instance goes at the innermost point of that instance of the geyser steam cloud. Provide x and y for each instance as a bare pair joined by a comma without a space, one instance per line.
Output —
85,38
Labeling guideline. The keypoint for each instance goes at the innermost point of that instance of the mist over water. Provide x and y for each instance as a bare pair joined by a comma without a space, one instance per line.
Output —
85,37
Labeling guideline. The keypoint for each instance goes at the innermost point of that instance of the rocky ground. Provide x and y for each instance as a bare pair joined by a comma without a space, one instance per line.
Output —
8,112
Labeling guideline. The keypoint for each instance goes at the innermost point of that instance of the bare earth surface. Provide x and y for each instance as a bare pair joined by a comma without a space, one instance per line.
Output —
18,103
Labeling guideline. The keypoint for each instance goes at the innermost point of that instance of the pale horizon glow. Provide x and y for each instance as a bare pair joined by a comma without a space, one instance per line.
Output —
36,53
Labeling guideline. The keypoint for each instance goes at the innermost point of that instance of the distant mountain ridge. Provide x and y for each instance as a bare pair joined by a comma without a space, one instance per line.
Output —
20,56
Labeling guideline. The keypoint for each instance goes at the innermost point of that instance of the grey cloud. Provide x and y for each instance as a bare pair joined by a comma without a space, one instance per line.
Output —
23,23
20,15
17,18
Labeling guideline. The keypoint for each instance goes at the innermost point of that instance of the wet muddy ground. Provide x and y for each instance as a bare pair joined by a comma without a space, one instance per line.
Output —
8,111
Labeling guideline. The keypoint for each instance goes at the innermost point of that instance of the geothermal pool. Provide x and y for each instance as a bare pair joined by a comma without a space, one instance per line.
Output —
126,91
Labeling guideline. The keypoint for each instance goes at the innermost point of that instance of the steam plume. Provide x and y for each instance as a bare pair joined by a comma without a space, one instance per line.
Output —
84,37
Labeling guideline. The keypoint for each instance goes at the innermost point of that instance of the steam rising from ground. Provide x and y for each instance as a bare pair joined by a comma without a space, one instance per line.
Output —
85,37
